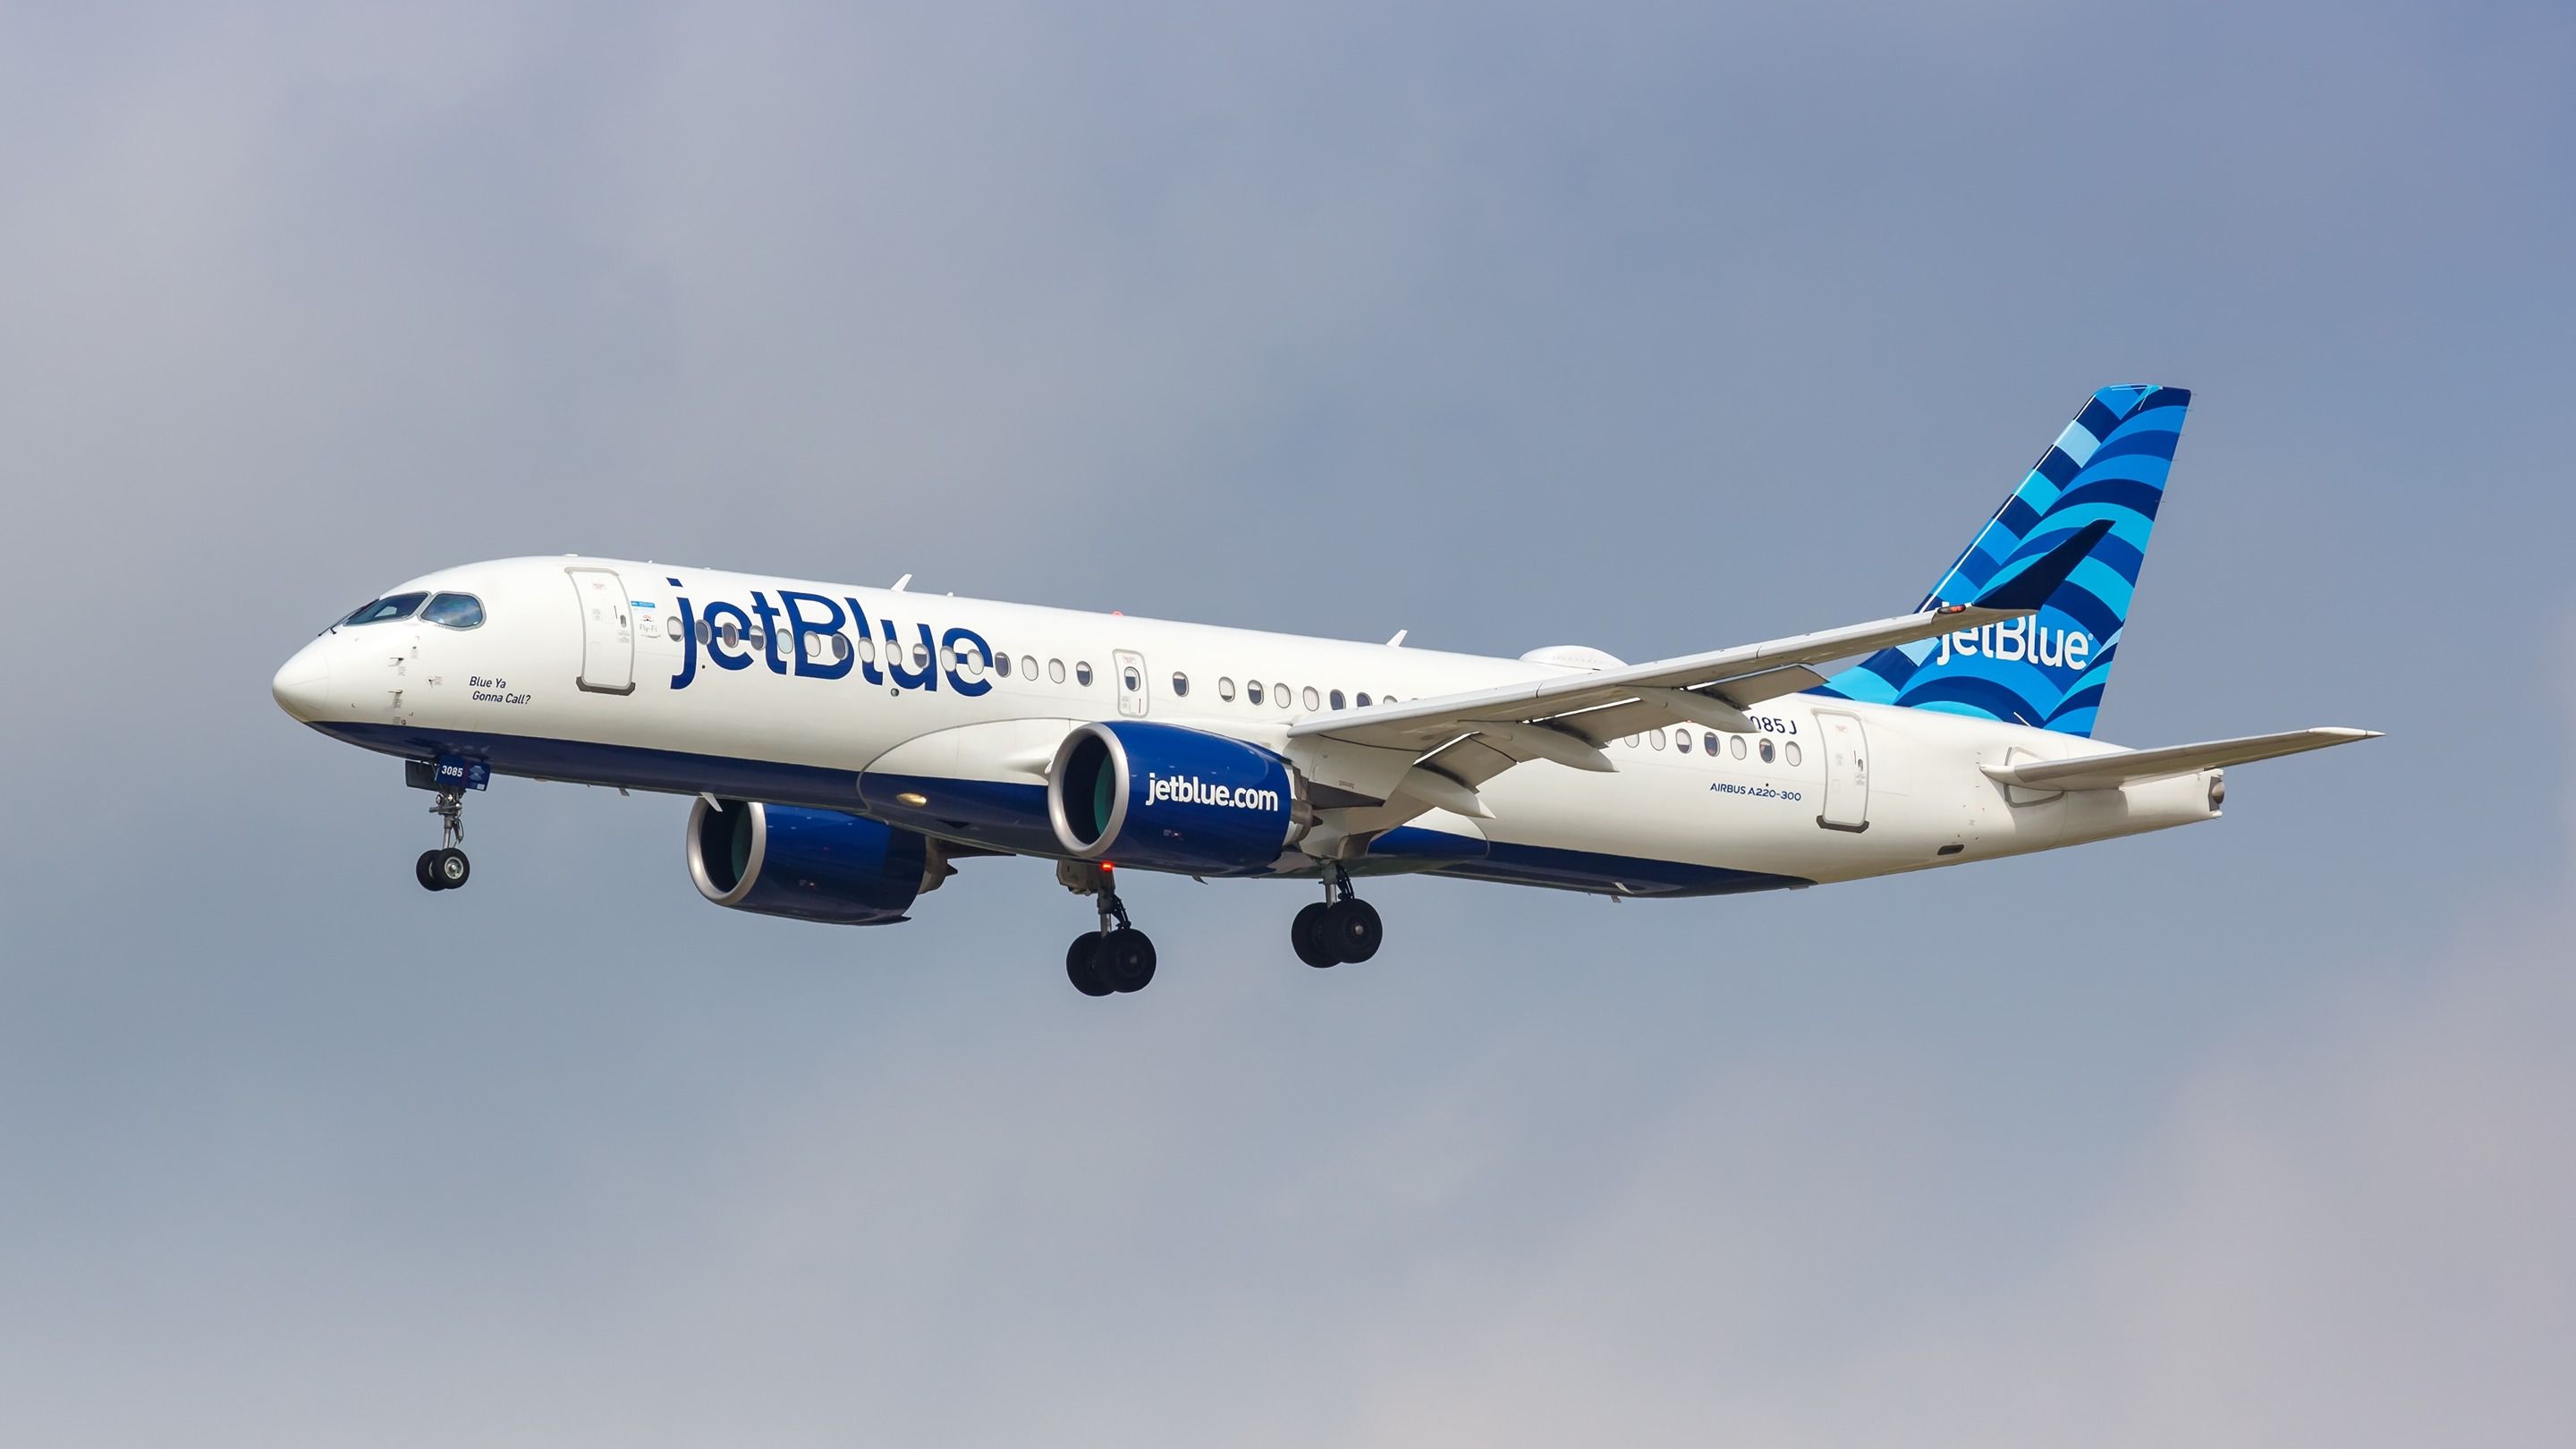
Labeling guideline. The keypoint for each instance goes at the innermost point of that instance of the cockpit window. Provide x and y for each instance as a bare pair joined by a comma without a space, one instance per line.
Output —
390,607
456,611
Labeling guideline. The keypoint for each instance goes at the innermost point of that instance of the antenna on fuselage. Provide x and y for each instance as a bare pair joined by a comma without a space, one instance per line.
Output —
899,583
1398,641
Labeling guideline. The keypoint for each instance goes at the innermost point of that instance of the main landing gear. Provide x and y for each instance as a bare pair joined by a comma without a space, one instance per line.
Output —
1112,959
445,868
1339,929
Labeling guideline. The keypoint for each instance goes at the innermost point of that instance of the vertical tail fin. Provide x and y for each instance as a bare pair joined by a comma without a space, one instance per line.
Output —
2109,465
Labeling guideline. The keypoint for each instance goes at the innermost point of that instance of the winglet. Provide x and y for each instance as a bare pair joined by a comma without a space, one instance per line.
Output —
2030,586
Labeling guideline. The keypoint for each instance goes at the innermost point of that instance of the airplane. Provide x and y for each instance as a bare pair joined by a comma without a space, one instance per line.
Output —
849,746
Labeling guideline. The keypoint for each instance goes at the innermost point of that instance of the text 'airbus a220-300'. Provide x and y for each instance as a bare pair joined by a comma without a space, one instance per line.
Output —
848,746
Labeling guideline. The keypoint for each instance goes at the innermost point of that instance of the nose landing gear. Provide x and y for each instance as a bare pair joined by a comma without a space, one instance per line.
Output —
1113,959
1340,929
445,868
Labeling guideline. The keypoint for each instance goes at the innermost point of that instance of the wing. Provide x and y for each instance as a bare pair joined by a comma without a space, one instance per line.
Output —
2123,767
1463,740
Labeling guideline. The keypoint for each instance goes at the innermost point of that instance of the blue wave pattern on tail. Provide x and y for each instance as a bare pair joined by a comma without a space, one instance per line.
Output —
2110,463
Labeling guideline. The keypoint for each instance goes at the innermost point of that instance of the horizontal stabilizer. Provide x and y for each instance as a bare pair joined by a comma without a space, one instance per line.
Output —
2127,767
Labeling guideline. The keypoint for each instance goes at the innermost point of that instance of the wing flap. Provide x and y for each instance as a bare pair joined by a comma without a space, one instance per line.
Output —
2125,767
1746,690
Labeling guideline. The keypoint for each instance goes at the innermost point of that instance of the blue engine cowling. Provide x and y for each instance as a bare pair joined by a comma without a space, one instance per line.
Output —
1167,798
813,865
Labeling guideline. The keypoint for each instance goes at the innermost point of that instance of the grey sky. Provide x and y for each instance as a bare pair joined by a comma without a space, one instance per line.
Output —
1653,329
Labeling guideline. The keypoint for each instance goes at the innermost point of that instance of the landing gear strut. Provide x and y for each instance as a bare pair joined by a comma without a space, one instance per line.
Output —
1115,958
1341,928
445,868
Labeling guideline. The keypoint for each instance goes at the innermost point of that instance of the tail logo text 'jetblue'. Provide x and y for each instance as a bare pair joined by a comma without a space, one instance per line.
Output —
2018,639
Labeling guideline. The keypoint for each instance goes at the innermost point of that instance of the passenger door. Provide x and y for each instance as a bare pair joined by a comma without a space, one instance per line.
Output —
607,632
1846,745
1134,689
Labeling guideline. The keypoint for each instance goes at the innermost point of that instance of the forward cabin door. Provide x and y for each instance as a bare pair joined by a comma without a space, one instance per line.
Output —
1846,744
1132,683
607,632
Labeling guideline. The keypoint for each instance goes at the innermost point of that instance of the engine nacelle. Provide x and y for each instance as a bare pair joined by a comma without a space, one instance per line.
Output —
812,865
1168,798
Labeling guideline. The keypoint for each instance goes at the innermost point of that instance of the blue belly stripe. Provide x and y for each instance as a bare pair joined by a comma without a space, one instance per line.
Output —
1007,816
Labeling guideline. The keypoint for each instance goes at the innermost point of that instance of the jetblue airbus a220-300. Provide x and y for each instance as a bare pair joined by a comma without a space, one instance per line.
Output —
847,746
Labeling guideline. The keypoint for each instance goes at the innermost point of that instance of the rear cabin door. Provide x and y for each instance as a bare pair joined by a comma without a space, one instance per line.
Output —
1846,803
607,632
1133,686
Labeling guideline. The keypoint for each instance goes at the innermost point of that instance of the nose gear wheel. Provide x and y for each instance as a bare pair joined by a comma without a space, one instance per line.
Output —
445,868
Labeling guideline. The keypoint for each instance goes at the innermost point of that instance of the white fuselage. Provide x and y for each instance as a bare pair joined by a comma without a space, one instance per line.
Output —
582,670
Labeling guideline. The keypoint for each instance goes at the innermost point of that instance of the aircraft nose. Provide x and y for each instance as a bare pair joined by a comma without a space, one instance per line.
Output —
303,682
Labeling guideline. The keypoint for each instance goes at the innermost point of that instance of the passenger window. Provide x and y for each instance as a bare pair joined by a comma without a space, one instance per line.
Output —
868,648
840,648
1791,750
456,611
1633,741
1735,746
1131,679
1252,690
1055,670
1180,685
1002,665
732,635
1279,692
760,640
1658,738
1768,753
1681,741
1363,699
706,634
921,656
1313,700
1708,741
1337,699
1082,672
1028,666
1225,688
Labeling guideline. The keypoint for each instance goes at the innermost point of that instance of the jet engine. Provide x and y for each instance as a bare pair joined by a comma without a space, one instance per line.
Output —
1168,798
812,865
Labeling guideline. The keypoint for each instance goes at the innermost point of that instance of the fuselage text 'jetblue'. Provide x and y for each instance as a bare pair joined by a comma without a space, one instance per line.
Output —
814,643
